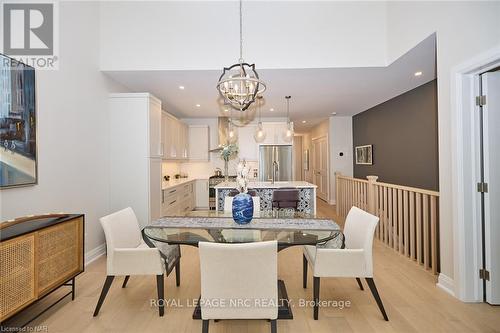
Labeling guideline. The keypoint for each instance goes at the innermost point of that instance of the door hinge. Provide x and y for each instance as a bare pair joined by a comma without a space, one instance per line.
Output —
484,274
481,100
482,187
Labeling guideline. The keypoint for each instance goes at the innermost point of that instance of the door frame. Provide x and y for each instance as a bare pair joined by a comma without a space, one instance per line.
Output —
324,136
466,213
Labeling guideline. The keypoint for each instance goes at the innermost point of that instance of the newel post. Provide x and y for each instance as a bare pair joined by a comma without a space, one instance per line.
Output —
371,193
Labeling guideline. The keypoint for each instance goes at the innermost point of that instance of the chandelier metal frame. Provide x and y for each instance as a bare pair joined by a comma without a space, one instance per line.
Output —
240,84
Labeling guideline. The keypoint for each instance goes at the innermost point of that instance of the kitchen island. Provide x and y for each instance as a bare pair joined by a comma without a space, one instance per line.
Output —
307,194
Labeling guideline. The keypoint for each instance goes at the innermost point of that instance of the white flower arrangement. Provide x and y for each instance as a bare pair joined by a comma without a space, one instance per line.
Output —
242,172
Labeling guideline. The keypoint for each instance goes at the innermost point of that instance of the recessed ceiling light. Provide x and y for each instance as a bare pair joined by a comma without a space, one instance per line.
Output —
226,110
181,87
418,73
334,113
198,105
303,121
271,109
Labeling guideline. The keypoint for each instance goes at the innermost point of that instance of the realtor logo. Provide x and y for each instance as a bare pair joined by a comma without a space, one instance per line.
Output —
29,33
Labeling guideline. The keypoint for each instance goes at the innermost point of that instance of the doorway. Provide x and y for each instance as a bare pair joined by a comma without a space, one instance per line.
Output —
475,180
320,166
488,192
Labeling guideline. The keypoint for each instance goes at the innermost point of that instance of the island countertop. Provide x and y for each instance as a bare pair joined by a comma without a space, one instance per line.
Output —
278,184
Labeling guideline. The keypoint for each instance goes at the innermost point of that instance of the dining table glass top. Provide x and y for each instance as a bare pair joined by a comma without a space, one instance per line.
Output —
286,226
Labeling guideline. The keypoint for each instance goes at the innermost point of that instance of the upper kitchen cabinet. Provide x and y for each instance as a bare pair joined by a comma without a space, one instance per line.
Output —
138,122
198,143
248,148
274,133
175,134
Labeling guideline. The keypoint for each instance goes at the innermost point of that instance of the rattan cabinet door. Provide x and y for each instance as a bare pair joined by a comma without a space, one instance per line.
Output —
17,274
59,254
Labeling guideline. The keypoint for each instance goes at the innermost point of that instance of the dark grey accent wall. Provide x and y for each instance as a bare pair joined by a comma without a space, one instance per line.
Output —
404,135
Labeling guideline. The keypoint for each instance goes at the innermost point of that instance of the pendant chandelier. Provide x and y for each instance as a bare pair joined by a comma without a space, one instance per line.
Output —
239,84
260,134
288,133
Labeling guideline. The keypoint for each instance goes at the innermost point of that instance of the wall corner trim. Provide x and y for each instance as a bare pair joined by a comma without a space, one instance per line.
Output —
94,254
446,284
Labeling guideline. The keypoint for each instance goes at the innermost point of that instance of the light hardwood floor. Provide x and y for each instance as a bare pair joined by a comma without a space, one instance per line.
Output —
411,298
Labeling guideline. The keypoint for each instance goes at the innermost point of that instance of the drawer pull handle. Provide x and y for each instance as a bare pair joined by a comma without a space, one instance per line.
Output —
172,202
172,191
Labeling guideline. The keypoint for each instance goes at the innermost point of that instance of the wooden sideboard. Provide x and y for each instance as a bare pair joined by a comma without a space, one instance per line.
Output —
38,255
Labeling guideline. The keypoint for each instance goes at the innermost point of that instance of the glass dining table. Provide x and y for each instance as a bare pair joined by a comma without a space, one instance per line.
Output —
287,227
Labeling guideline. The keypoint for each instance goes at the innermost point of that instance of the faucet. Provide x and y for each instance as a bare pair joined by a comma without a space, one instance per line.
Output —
276,168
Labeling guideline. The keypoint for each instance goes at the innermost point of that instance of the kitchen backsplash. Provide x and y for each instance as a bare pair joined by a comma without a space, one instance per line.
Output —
204,169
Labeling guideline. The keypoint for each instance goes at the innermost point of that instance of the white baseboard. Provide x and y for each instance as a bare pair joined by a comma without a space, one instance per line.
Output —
446,283
95,254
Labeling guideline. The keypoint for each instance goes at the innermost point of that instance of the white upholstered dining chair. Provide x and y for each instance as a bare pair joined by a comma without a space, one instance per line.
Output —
128,254
242,278
355,260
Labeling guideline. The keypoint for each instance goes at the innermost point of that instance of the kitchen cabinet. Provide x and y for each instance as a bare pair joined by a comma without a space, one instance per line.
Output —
178,200
135,153
175,135
275,132
248,148
198,143
201,194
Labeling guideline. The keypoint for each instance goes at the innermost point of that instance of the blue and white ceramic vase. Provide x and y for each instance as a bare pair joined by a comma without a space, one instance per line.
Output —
242,208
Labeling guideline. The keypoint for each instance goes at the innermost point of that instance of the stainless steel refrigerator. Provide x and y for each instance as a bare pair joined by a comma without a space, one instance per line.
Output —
277,158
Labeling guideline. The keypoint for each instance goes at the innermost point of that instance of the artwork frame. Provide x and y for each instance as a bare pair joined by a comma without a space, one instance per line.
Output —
364,155
18,124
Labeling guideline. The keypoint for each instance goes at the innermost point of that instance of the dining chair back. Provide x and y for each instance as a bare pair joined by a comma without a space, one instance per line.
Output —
242,278
286,198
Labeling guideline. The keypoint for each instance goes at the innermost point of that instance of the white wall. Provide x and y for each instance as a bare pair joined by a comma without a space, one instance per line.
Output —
340,141
72,130
204,35
463,29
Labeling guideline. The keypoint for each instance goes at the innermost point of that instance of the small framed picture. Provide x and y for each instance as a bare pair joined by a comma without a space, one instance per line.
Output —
364,155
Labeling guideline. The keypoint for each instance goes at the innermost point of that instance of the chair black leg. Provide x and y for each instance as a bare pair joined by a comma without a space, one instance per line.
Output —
375,294
316,297
104,292
304,271
125,281
161,299
178,273
274,326
73,289
360,284
204,328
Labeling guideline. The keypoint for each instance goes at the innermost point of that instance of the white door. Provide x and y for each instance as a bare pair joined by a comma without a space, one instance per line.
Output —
491,149
320,167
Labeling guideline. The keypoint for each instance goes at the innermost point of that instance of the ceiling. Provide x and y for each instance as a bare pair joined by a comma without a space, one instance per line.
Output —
316,93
